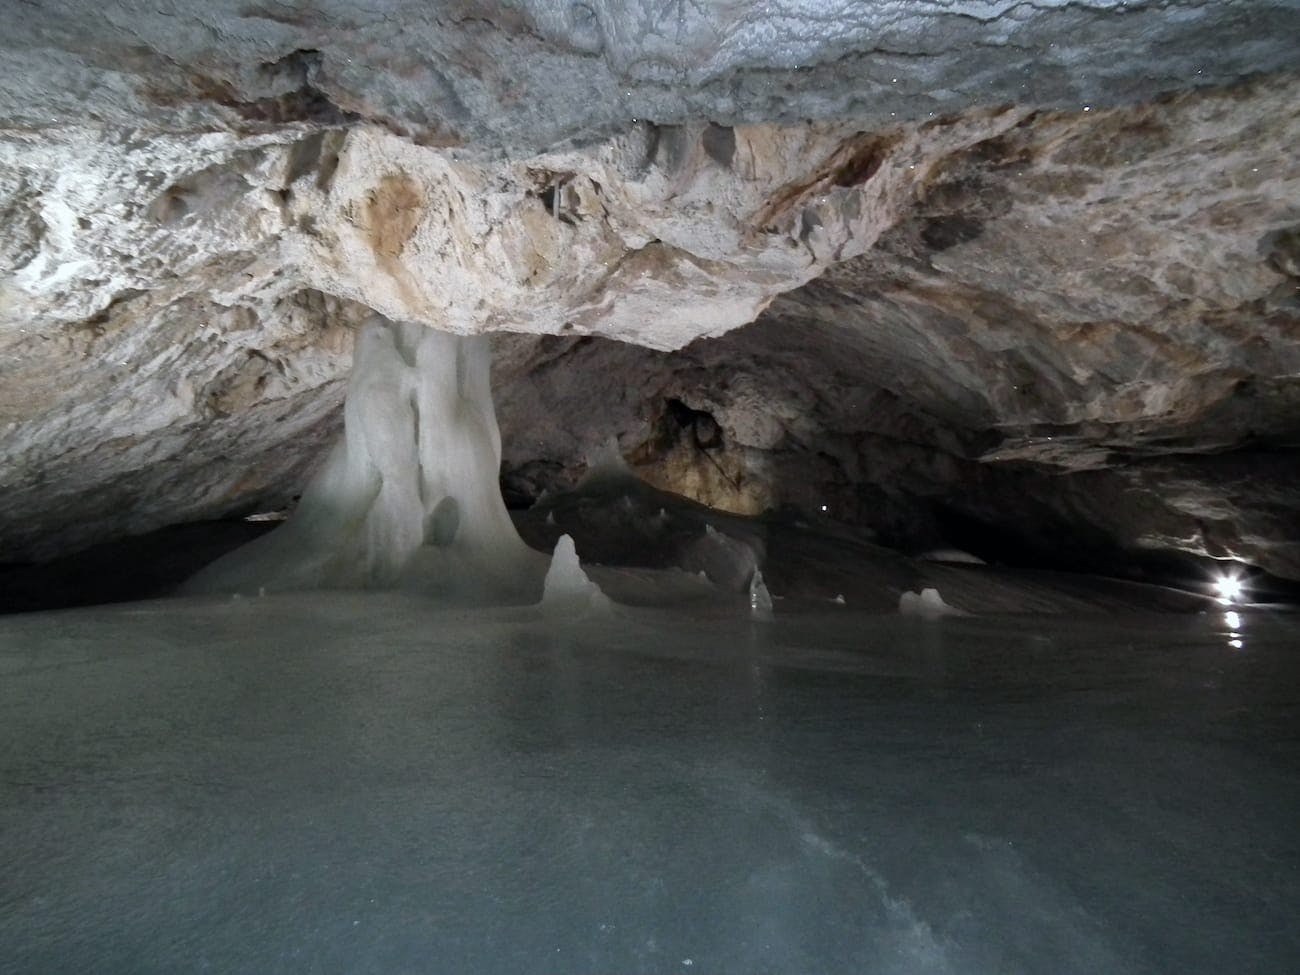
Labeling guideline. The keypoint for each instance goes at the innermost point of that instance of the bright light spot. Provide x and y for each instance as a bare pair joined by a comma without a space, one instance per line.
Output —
1229,588
1232,620
824,508
1236,644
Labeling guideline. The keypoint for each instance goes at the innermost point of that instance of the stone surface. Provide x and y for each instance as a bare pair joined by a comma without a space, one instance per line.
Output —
535,73
989,253
1085,320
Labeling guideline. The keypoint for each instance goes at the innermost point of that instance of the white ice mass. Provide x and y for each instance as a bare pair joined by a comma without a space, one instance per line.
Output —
409,497
567,590
929,604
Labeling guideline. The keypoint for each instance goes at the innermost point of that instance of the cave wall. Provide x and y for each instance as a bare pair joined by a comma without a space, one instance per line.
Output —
992,253
533,74
1085,326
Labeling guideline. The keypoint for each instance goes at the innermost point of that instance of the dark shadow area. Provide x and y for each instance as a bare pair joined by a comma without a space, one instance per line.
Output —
124,570
1076,549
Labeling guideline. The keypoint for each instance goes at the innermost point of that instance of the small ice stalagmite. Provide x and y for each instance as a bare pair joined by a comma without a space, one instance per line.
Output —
928,605
409,497
567,591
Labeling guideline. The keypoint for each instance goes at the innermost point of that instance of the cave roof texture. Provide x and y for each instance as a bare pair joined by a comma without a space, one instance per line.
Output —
1035,263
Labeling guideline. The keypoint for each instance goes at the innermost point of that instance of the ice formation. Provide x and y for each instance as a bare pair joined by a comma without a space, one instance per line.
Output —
760,600
409,497
729,563
954,556
929,604
605,464
567,590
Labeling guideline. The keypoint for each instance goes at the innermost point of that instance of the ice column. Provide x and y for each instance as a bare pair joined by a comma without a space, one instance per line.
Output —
409,497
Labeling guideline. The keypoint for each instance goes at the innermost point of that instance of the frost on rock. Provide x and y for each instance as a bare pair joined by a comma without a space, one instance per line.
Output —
929,605
760,600
567,590
409,497
606,465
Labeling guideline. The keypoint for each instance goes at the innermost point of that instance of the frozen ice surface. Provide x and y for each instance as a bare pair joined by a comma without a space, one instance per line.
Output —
928,604
361,783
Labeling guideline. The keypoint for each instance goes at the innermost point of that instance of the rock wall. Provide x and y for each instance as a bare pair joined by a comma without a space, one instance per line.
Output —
1046,251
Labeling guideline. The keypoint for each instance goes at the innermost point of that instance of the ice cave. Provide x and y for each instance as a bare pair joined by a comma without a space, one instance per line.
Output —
807,487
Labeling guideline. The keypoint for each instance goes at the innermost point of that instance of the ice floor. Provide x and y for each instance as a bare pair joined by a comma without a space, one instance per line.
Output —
357,784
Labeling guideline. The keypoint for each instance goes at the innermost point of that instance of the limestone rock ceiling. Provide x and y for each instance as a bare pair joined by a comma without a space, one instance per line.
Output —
994,250
535,73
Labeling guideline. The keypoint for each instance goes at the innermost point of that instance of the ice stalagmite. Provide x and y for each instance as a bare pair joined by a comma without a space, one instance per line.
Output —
409,497
928,605
567,590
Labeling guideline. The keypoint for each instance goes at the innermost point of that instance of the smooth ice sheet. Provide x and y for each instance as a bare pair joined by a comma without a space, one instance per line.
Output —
364,784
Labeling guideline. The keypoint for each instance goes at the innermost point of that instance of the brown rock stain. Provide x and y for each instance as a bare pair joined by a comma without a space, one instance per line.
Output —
1117,138
853,163
393,210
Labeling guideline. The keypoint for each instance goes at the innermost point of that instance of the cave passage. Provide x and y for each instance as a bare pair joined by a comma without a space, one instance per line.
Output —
650,762
628,488
409,498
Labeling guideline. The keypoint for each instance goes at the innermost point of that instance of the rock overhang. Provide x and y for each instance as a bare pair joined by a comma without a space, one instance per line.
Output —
181,186
533,75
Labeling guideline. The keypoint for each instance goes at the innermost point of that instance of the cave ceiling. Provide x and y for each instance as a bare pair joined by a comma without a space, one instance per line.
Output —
1035,265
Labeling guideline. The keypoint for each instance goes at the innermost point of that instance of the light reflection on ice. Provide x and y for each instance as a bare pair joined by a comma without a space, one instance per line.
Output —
497,791
1232,620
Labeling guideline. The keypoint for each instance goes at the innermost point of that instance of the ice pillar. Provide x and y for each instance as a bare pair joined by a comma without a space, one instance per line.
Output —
409,498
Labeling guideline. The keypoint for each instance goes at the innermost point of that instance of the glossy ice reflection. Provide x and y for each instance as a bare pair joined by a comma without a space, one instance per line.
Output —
364,784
